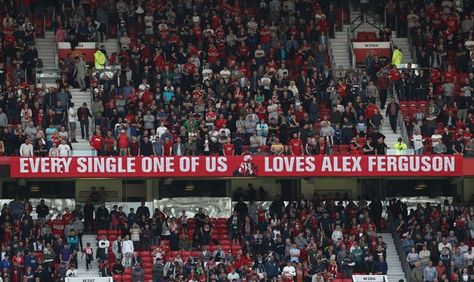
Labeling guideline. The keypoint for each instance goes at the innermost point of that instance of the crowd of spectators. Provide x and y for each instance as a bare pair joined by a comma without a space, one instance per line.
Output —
18,55
224,82
317,240
441,37
240,77
437,240
40,249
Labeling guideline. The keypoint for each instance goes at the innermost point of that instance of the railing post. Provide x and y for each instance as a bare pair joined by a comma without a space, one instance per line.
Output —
342,16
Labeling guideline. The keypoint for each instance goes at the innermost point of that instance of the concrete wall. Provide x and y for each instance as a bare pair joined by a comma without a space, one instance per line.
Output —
468,189
271,185
113,188
326,185
134,190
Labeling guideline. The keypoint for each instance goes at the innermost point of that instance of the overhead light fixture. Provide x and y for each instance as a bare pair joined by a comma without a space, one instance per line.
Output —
421,186
34,189
189,187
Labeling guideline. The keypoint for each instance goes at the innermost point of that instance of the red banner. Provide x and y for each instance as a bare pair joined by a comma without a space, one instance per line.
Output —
248,166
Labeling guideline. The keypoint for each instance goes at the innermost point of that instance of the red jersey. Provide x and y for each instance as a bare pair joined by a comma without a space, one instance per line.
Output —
212,55
394,75
97,142
296,147
228,149
109,143
264,35
122,141
220,122
167,148
67,218
449,77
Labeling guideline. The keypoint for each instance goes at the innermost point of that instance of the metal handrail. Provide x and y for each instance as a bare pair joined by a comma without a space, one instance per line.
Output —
398,245
352,57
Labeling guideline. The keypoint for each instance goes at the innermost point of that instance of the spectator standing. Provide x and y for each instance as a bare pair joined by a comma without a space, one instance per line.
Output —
64,149
72,120
84,114
392,113
80,72
26,149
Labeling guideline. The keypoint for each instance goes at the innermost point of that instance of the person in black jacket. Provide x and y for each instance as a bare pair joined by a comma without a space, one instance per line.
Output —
42,210
88,216
143,210
102,216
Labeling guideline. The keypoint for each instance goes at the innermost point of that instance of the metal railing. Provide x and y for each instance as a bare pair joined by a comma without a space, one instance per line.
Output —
398,245
396,17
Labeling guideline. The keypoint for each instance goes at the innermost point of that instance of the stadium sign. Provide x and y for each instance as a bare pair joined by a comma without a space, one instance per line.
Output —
89,279
235,166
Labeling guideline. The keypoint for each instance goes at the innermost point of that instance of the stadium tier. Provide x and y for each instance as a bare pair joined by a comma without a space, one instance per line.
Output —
226,140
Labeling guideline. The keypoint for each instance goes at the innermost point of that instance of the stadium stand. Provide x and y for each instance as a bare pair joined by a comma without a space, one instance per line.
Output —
232,78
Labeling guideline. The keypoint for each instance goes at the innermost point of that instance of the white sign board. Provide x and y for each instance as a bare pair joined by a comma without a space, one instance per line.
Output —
370,278
89,279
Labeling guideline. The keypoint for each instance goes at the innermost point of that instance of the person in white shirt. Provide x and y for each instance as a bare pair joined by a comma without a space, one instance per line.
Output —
127,245
262,132
72,119
444,244
225,74
161,129
418,140
224,130
54,151
64,149
103,250
435,138
233,275
289,270
143,86
26,149
469,257
336,234
71,272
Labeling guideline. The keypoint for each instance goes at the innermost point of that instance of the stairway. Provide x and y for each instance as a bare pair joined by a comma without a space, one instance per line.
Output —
46,50
390,137
81,261
82,148
111,46
339,44
339,48
401,43
395,272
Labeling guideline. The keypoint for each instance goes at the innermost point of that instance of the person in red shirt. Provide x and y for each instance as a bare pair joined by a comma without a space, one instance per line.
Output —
122,143
449,75
265,37
134,147
212,54
221,121
228,148
167,147
109,144
296,145
67,217
97,142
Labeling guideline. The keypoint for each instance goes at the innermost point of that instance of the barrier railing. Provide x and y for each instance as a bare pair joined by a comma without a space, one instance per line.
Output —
398,245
